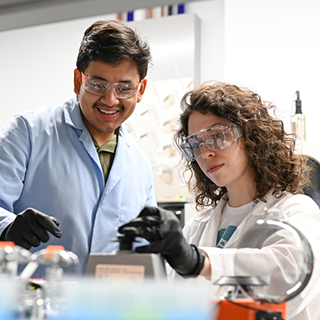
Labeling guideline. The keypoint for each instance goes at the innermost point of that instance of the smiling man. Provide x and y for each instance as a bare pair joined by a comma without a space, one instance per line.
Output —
72,170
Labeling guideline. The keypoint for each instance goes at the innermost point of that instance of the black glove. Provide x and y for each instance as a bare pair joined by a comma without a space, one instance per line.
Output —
162,229
30,228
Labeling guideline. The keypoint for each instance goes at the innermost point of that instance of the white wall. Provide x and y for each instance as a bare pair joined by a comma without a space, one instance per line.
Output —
212,56
37,65
272,46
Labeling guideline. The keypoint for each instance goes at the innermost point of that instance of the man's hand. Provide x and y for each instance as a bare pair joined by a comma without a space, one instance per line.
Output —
30,228
162,229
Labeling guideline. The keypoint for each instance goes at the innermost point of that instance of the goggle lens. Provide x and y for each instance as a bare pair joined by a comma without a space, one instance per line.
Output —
217,137
122,90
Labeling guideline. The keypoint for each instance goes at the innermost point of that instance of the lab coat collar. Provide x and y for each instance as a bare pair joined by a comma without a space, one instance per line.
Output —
214,213
72,114
121,161
206,224
73,118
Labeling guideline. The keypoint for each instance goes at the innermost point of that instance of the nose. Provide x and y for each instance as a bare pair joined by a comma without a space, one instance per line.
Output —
110,98
205,152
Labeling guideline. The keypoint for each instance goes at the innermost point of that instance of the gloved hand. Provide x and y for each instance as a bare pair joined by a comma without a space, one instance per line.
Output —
162,229
30,228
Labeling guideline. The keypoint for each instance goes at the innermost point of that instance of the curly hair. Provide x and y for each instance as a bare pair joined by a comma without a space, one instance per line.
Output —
270,149
112,41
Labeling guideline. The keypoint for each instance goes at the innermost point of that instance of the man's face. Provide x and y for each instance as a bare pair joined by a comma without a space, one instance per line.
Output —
102,115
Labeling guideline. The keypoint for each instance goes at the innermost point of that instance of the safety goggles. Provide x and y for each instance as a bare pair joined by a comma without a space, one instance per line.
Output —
99,87
216,137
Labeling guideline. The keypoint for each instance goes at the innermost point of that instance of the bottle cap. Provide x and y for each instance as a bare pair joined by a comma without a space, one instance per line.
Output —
6,243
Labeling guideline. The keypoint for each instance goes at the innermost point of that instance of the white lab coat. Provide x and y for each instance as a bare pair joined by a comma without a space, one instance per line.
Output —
302,212
48,161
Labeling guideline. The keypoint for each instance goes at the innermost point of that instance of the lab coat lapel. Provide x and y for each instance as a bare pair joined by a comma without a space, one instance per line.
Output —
120,163
73,118
88,144
213,226
205,229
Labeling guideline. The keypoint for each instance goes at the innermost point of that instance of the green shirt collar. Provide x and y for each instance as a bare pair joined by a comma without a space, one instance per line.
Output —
109,146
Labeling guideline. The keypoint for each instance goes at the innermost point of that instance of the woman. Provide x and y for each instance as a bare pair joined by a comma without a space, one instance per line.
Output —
240,161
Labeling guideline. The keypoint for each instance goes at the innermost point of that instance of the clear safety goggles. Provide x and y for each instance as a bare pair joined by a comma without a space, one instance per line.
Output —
99,87
216,137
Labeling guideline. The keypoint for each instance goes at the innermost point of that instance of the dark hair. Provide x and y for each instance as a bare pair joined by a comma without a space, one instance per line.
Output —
270,149
112,41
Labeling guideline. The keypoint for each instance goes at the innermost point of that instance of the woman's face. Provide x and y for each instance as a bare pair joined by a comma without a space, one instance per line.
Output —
229,167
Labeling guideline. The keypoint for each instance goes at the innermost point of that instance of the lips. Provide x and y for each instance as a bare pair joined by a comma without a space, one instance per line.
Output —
108,112
214,168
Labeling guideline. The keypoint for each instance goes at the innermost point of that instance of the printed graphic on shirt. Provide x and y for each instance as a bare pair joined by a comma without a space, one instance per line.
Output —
224,235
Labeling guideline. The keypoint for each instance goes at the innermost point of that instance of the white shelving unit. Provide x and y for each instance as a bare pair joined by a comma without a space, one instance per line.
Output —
174,41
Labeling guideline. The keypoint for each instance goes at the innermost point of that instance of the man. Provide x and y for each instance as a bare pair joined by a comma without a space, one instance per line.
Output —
72,170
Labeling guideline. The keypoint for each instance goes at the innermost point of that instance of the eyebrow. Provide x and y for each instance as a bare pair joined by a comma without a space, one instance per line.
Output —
102,79
209,128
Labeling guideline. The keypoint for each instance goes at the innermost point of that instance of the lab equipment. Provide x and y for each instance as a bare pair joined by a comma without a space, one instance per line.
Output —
10,256
313,190
298,120
126,264
262,293
162,229
235,303
41,299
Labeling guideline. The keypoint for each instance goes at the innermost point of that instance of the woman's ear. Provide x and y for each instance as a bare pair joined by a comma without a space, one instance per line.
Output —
241,143
77,81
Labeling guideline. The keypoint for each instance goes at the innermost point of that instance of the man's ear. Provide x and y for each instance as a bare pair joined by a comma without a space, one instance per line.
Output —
142,89
77,81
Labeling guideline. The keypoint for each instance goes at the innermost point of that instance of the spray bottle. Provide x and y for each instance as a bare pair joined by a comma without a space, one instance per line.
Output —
298,120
